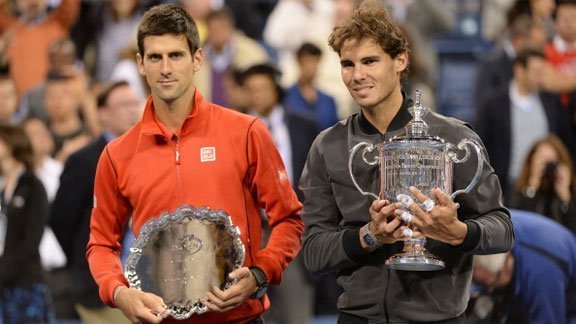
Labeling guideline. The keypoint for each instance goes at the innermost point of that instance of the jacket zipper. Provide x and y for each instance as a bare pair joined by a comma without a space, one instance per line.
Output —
177,160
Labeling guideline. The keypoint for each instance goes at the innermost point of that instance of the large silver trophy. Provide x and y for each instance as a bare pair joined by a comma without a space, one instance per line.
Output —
180,256
420,160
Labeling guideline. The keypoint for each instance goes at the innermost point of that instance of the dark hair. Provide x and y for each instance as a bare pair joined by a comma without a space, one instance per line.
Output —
18,143
308,49
168,19
270,72
526,53
372,21
103,95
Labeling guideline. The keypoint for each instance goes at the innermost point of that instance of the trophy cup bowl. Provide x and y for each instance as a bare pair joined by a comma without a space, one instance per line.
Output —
422,161
180,256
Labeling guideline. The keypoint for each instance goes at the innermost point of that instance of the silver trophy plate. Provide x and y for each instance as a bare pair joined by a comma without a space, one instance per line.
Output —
180,256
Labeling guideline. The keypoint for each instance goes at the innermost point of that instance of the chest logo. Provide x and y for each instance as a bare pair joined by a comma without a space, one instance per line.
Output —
207,154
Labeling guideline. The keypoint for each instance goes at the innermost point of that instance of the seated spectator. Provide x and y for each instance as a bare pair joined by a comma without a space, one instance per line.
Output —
534,283
304,97
547,183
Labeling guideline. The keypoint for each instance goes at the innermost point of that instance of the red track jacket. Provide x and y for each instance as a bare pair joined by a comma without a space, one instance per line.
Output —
223,160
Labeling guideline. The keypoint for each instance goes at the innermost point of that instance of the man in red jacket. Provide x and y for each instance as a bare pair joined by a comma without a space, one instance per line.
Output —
188,151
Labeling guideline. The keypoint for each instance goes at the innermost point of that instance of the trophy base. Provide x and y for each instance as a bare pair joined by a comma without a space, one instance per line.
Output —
415,262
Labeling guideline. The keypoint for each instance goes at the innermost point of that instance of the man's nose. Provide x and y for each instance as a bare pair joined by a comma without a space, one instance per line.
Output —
166,67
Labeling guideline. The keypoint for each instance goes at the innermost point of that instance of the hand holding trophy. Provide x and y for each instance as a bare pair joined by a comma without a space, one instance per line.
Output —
416,172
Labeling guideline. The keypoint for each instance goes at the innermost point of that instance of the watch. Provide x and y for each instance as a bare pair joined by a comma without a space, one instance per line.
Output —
261,283
369,238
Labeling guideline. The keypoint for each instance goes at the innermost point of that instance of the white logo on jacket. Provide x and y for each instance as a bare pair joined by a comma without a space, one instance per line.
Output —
207,154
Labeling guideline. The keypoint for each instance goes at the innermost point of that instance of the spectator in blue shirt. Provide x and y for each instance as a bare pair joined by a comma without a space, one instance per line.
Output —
304,97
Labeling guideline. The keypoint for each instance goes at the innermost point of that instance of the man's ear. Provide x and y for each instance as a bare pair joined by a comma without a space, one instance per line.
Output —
197,57
140,63
401,62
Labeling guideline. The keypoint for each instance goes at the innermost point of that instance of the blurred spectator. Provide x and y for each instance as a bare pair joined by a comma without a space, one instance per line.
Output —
293,299
47,169
513,118
8,100
66,127
424,19
562,54
225,48
417,78
251,15
540,11
494,19
30,35
234,91
304,97
199,9
127,69
62,61
496,70
547,182
534,283
24,297
118,27
293,22
119,109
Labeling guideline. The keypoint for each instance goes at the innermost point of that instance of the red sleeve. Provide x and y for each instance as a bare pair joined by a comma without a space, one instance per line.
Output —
66,13
110,213
275,194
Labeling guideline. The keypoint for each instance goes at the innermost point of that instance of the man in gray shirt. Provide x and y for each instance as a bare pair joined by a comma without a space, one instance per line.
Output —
374,59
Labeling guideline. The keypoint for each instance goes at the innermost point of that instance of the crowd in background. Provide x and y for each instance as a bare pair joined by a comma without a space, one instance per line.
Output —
69,83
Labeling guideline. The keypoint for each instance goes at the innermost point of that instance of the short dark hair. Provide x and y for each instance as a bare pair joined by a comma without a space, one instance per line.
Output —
168,19
526,53
372,21
18,143
308,49
103,95
270,72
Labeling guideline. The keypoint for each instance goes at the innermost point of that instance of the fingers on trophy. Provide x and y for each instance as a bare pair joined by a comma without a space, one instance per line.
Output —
406,201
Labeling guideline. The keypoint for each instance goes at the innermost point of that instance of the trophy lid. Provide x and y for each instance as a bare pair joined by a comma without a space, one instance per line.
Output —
417,127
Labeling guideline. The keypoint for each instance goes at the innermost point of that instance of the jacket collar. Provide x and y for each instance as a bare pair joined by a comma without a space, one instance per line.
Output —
399,121
152,126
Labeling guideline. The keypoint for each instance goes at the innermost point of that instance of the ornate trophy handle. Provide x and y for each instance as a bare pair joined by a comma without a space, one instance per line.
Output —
369,148
463,145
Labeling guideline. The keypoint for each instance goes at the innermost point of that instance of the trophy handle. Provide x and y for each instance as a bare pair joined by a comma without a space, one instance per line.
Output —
463,145
368,148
